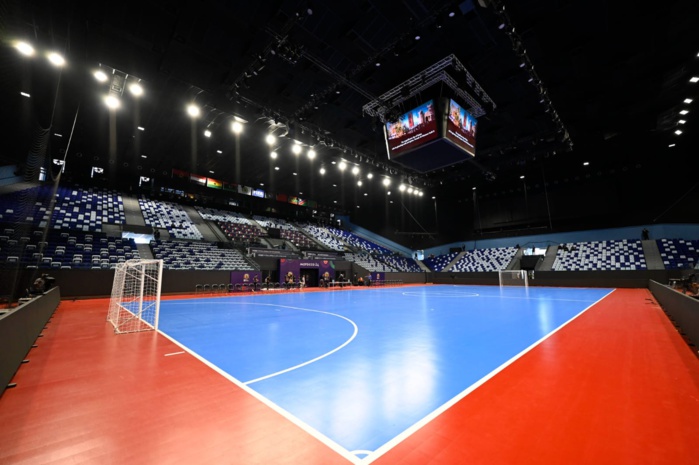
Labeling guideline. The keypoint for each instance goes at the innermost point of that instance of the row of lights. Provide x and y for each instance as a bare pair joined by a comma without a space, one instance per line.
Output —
26,49
56,59
113,102
685,111
297,149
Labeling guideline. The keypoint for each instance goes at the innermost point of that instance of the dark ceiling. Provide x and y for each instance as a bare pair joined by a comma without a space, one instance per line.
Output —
574,82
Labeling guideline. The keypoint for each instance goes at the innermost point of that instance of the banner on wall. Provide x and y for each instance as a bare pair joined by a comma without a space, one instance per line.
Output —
214,183
326,268
180,174
201,180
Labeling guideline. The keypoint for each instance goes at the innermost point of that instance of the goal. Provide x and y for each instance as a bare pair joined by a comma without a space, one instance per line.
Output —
135,302
513,278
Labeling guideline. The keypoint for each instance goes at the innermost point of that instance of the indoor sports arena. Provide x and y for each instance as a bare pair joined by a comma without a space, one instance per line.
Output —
368,232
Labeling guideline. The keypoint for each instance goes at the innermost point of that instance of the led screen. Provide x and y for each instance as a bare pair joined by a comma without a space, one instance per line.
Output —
461,128
412,129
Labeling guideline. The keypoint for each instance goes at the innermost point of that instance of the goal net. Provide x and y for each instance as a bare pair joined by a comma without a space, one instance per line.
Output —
513,278
135,302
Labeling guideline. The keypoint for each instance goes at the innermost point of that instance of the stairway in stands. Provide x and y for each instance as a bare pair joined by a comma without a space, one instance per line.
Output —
453,262
132,211
201,224
653,259
549,258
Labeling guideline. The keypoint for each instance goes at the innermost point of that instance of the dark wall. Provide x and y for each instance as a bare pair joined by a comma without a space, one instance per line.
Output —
623,279
98,283
19,329
681,308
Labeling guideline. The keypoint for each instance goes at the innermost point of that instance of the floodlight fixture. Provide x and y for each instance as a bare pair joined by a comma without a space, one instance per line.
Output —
100,75
25,49
193,110
56,59
112,102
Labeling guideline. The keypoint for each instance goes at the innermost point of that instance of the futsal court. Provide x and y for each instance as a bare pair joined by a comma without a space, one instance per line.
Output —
414,374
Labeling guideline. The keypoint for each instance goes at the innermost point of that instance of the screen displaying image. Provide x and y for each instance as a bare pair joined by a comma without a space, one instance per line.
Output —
461,128
412,129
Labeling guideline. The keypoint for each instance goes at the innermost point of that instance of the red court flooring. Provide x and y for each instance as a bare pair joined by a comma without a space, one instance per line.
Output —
618,385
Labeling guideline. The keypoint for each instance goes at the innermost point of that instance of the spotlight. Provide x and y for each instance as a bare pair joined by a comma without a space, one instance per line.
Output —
56,59
296,149
688,100
276,168
694,79
410,190
684,112
322,171
521,177
207,133
273,154
136,89
342,166
100,75
112,102
193,110
678,132
420,194
587,163
386,181
359,183
25,49
270,139
370,176
401,187
355,170
311,154
236,127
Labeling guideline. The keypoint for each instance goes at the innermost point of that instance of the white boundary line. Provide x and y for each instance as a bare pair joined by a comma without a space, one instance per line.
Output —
408,432
307,428
371,456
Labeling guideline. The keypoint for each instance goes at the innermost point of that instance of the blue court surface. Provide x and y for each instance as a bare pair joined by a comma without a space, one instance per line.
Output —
360,367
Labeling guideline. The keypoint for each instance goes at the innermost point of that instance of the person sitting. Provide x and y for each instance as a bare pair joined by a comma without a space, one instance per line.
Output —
38,286
360,281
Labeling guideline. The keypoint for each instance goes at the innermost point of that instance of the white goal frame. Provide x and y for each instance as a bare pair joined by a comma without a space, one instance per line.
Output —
135,302
518,278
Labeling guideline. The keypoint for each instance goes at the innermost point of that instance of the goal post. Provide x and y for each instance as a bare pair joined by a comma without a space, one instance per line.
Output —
513,278
135,302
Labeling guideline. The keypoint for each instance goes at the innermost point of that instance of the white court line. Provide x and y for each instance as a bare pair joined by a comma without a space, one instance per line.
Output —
354,335
408,432
175,353
307,428
467,294
308,362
